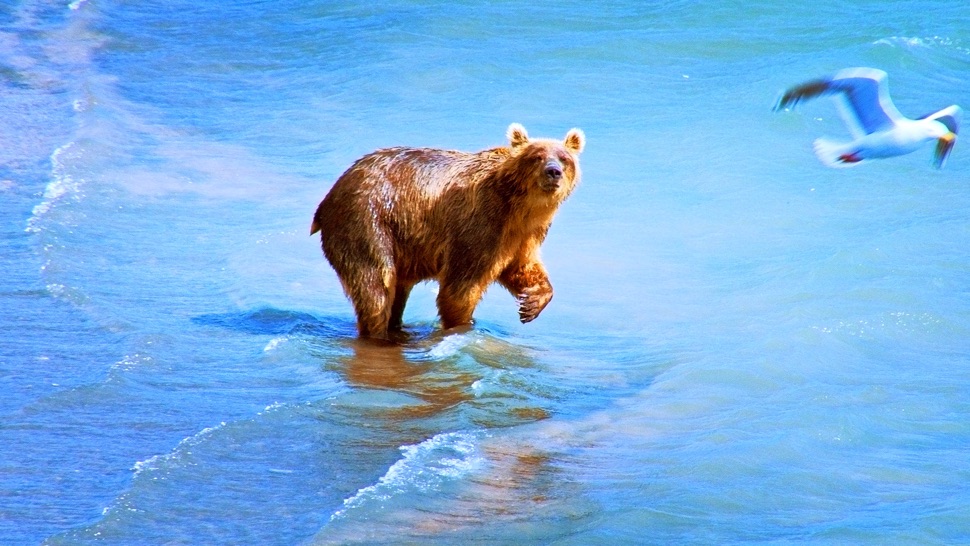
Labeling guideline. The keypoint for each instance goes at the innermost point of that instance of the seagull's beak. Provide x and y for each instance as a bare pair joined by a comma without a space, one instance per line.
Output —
943,147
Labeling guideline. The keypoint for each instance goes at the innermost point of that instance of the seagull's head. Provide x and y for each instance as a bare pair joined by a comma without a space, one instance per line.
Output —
942,126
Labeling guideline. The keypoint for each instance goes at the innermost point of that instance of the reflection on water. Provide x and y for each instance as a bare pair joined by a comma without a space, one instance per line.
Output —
507,488
447,484
461,379
377,366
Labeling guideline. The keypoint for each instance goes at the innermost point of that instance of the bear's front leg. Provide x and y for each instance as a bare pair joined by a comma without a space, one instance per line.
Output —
530,285
456,303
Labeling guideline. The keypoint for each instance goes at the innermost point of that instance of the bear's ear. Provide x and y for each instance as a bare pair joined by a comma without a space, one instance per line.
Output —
517,135
575,140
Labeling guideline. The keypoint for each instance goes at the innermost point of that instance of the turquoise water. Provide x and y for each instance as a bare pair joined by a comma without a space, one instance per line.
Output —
744,346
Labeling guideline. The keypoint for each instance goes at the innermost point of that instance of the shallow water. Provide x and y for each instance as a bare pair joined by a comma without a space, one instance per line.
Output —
744,345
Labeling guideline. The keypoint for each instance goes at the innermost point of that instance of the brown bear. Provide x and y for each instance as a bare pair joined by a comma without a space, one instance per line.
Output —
399,216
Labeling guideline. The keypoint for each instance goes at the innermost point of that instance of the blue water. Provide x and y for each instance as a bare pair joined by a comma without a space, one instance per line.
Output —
744,346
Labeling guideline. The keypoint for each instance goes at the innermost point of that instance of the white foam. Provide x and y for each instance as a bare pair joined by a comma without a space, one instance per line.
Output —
484,385
156,461
424,467
129,362
901,40
272,407
450,345
925,42
274,343
56,290
61,184
892,324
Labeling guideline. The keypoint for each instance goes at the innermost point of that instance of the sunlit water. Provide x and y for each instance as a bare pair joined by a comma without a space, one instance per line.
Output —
744,345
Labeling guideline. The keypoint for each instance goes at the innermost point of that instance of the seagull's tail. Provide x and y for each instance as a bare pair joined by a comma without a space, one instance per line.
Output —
835,154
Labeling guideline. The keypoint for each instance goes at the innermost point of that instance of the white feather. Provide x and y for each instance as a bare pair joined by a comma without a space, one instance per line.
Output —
829,152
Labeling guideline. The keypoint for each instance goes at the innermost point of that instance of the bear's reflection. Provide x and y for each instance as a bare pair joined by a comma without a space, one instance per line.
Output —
481,377
436,386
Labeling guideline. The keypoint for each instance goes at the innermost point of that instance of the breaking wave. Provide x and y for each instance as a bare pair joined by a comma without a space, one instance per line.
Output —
424,467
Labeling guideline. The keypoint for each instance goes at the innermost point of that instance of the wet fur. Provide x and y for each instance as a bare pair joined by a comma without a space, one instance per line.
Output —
399,216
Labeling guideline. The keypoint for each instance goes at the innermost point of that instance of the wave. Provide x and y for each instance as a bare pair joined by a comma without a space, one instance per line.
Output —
457,488
925,42
942,53
892,325
62,186
450,346
184,447
277,322
424,467
157,462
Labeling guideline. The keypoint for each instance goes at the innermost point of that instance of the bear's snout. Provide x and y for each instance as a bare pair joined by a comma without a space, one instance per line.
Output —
553,172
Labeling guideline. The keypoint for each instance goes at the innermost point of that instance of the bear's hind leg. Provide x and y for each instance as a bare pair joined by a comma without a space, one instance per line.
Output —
372,299
401,294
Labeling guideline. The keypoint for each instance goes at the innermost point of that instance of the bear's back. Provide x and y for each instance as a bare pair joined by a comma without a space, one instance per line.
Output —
409,197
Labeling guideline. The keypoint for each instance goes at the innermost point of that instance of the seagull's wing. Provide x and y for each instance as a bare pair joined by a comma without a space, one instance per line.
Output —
867,97
867,107
807,90
949,116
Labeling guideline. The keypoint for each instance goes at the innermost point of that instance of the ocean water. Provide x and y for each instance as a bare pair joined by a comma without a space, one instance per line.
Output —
744,346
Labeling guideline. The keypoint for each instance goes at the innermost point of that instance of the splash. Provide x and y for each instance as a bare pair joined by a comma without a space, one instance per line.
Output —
450,346
274,343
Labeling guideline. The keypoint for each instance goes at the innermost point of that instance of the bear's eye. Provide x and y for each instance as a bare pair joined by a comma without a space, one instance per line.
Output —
537,158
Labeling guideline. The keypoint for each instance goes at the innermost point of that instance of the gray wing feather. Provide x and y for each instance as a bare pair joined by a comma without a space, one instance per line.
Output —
866,106
867,96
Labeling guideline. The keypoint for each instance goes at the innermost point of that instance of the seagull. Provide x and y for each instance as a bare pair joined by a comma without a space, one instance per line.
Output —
878,129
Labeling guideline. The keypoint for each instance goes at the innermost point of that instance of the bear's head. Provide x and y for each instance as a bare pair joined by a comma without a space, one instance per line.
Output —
545,167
